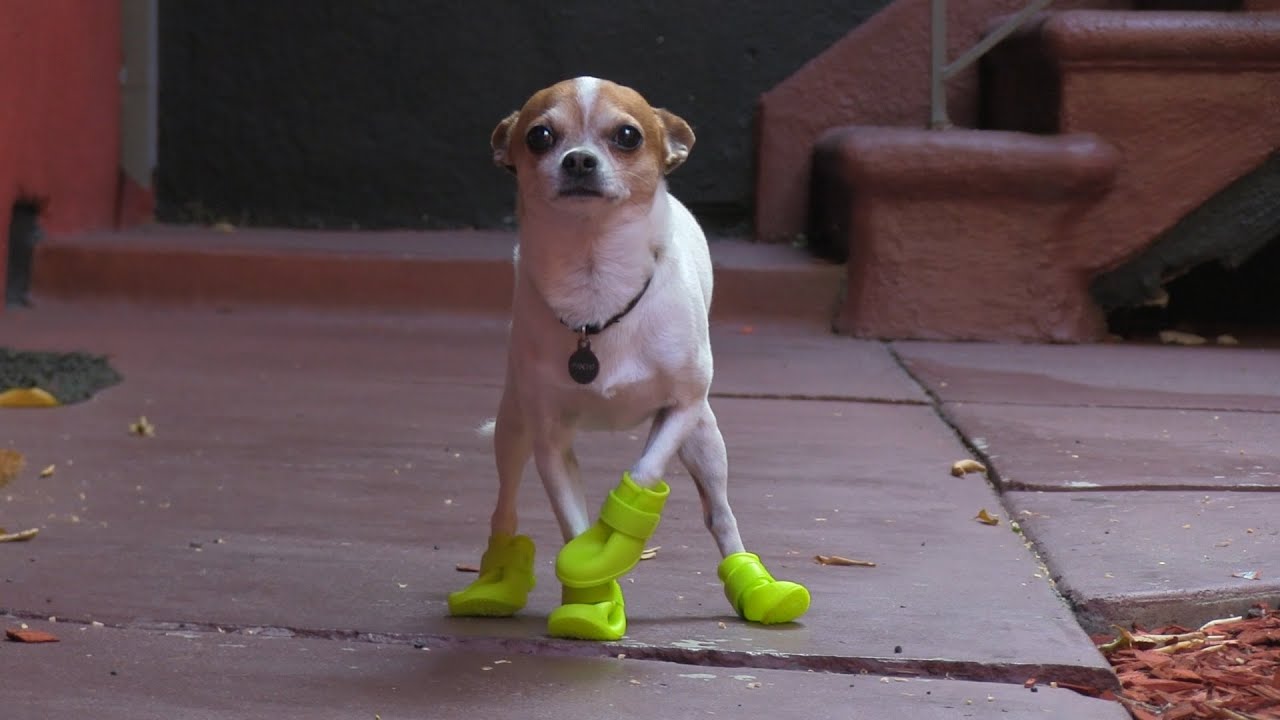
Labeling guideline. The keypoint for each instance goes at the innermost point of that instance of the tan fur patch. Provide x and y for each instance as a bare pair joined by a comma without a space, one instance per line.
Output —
667,138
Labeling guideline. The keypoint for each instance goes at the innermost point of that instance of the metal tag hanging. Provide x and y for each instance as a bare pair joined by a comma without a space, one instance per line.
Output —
583,364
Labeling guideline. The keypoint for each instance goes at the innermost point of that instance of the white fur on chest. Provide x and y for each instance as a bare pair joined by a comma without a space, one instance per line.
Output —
656,356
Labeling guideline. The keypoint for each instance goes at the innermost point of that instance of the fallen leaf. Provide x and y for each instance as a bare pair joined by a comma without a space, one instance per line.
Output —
24,635
48,471
142,427
960,468
1029,683
466,568
11,463
21,536
843,561
1177,337
27,398
650,553
722,625
987,518
1246,574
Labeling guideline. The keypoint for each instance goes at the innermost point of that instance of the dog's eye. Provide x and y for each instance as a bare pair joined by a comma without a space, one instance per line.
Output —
627,137
540,138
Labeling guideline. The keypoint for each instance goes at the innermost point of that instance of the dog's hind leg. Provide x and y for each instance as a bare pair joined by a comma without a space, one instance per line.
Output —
703,455
506,568
754,594
558,467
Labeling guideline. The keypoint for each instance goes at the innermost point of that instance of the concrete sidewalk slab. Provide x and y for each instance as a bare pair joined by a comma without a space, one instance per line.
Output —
109,674
1065,448
1156,558
1212,378
761,359
340,470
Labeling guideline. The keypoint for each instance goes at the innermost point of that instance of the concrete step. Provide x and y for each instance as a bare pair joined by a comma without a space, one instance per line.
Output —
1106,129
399,270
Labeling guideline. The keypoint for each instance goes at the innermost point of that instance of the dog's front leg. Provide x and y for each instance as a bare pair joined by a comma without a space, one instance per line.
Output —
506,568
631,512
590,564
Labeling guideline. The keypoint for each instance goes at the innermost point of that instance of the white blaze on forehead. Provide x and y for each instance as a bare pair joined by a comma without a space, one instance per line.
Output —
588,88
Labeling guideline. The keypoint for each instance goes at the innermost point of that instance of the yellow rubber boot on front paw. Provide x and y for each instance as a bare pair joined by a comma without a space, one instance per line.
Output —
506,577
756,596
595,613
612,546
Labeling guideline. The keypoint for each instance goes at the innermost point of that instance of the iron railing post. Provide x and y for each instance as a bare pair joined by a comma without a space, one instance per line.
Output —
938,119
940,71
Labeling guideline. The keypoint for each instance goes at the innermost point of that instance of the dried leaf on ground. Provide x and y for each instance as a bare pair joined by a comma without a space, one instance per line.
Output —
843,561
1177,337
461,567
1246,574
20,536
24,635
987,518
27,398
142,427
650,553
48,471
960,468
11,463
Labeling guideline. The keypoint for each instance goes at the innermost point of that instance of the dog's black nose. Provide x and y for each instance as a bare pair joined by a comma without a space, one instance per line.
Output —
579,163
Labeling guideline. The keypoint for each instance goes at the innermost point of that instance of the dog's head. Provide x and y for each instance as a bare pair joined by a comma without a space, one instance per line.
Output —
587,142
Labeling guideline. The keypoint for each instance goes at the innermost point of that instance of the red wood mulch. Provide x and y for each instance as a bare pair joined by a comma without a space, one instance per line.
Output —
1227,669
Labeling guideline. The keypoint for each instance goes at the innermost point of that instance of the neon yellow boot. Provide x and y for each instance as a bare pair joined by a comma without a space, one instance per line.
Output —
756,596
595,613
612,546
506,577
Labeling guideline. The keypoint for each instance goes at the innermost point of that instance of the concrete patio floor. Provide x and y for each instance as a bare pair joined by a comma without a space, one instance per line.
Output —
283,545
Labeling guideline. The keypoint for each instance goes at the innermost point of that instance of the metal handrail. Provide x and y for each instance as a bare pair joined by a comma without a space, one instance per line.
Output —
940,71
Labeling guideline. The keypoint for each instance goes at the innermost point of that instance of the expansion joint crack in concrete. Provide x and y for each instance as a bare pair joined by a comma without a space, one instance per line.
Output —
902,668
818,398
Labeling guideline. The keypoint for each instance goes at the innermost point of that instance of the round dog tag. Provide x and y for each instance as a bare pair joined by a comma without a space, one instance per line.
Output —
584,365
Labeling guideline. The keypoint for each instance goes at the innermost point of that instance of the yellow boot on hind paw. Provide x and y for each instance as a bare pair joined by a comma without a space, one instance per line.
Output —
506,577
597,613
612,546
756,596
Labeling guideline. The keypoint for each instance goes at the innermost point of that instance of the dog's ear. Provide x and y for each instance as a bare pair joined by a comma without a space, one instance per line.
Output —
500,142
678,139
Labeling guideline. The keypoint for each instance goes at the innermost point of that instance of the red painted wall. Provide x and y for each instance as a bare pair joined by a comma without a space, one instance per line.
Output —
60,115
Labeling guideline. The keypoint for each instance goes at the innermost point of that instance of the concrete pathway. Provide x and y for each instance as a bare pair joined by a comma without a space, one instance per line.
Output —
283,545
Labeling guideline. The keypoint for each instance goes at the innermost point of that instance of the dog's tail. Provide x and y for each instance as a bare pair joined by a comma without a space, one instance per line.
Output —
485,429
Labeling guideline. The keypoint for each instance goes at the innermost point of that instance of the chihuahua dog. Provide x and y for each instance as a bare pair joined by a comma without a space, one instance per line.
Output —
609,330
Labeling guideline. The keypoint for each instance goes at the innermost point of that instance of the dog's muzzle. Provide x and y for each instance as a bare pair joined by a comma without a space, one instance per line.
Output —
578,174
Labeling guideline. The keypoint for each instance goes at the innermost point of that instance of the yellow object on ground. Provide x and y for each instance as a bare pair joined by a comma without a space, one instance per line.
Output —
613,545
596,613
756,596
506,577
27,398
